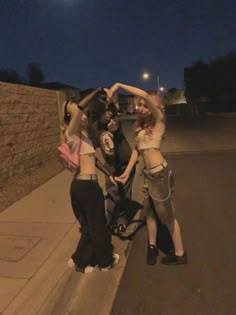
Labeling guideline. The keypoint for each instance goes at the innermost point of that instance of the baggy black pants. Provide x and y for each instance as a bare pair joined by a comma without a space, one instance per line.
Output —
94,246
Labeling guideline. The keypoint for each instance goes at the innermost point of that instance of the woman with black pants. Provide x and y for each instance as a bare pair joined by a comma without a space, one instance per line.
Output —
94,247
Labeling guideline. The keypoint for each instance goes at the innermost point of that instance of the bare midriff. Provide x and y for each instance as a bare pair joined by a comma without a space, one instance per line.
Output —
87,164
151,157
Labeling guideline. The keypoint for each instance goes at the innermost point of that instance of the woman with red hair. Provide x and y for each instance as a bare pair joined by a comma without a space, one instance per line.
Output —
158,178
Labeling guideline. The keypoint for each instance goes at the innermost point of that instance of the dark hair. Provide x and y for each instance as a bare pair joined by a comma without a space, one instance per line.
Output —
102,94
100,104
67,115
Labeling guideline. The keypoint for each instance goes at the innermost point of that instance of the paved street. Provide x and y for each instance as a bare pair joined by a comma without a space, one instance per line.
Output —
205,206
202,155
39,232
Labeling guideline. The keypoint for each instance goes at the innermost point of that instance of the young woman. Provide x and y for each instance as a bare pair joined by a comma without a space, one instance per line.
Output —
108,137
87,200
150,127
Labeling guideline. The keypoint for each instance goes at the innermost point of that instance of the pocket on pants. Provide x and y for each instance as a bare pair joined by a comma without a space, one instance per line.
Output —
159,186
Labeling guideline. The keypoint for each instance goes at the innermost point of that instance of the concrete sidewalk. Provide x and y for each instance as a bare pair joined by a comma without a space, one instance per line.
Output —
38,235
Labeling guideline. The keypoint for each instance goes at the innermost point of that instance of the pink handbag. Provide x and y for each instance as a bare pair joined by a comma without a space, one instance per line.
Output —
70,158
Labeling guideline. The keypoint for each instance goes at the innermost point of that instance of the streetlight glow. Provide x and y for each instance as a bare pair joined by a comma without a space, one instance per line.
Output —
146,75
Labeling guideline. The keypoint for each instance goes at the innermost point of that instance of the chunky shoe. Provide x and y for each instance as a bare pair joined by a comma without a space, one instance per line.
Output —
115,260
172,259
86,269
152,254
71,264
89,268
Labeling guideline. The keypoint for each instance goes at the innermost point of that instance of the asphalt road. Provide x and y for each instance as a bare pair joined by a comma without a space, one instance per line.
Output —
205,200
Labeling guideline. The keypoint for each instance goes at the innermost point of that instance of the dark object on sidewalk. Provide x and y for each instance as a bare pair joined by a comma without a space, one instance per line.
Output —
172,260
131,229
125,226
121,228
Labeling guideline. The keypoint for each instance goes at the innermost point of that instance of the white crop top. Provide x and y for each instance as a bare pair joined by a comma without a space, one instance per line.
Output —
145,140
74,141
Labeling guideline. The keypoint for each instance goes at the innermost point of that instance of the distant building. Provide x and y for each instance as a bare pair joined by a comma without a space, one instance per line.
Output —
127,103
70,91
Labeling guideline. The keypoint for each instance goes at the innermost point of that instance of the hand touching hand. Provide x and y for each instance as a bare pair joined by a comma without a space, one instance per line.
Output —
109,94
112,179
112,126
122,178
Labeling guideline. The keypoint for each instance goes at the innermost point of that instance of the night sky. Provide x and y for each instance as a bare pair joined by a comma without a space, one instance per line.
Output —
91,43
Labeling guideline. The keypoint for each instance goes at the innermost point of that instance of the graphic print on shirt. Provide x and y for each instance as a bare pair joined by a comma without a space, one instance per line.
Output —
107,143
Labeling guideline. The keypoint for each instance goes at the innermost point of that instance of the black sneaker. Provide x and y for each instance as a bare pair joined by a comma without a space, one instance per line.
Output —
172,260
152,254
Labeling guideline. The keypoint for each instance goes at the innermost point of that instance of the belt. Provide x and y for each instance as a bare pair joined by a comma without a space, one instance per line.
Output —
87,177
157,168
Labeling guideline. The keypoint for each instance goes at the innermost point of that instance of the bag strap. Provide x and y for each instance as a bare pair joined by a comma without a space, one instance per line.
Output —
79,146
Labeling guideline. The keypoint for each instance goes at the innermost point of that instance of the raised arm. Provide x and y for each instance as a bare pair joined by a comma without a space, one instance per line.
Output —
75,123
151,104
84,103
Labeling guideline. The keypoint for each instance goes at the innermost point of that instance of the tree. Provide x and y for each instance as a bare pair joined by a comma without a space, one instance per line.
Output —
35,74
11,76
213,81
197,80
173,96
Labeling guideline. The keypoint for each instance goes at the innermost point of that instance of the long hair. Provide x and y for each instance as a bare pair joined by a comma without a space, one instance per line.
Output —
147,121
100,104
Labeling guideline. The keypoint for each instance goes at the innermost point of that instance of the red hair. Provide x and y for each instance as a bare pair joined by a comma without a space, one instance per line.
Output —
147,121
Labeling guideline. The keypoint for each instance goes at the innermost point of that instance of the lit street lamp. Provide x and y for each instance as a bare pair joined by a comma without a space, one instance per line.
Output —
147,75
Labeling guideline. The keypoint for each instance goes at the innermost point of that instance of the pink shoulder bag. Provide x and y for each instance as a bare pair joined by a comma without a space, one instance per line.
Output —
70,158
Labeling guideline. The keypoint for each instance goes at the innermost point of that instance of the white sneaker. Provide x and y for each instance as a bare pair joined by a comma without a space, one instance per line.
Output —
89,268
116,259
71,264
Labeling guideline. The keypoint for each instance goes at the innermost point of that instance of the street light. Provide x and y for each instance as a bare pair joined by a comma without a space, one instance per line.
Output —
147,75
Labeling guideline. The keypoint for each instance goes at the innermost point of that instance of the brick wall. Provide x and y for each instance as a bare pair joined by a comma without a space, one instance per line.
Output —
29,127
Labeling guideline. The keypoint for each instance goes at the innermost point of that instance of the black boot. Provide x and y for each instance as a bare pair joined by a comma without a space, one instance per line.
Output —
172,260
152,254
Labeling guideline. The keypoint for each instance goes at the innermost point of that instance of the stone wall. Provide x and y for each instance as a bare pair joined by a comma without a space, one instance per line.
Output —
29,127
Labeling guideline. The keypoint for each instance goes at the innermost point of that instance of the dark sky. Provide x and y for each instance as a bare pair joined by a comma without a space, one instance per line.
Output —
90,43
